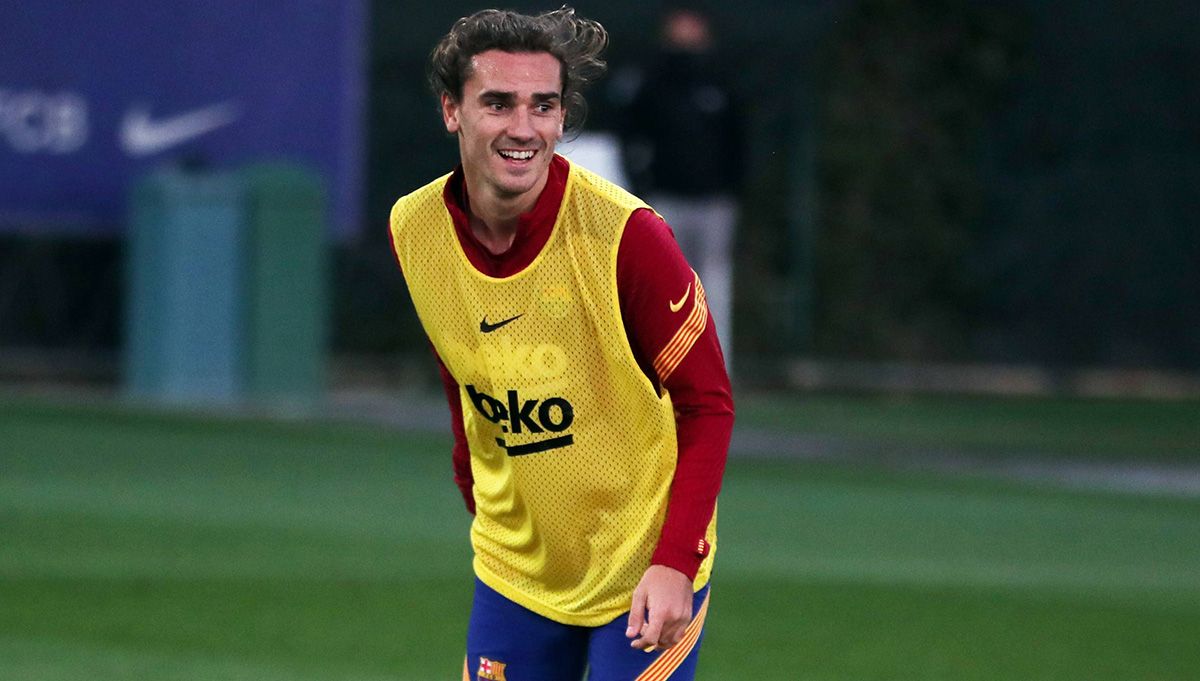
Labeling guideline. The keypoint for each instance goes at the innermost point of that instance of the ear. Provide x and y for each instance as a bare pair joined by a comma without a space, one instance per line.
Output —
450,111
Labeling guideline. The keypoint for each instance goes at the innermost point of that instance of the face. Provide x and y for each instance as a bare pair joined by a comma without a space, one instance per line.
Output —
508,122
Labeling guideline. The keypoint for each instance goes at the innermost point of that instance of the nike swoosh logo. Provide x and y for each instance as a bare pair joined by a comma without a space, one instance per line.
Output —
676,307
142,135
488,328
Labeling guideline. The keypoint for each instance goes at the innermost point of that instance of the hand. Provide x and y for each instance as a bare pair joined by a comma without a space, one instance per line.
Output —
667,594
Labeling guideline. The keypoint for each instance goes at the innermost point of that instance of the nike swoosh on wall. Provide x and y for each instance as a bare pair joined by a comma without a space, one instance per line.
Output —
142,135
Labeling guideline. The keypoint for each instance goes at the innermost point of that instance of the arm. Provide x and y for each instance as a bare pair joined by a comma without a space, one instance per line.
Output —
460,454
652,275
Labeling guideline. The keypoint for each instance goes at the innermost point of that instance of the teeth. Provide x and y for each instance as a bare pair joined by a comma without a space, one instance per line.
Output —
518,155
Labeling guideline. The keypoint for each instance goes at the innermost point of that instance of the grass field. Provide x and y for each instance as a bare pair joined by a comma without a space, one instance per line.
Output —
1065,429
163,547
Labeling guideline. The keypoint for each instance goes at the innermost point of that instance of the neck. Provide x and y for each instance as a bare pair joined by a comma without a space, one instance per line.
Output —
496,240
494,217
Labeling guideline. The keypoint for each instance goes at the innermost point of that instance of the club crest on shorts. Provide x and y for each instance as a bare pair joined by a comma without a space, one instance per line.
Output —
490,670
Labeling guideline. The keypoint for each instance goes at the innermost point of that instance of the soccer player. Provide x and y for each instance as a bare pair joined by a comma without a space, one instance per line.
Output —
590,405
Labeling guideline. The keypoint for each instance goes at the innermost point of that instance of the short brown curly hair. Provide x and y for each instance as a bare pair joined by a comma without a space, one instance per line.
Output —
576,42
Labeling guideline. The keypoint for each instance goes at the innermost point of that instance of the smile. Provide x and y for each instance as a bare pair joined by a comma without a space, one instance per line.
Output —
516,155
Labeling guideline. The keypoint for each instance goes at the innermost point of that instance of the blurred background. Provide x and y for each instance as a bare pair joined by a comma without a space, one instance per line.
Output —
925,182
964,310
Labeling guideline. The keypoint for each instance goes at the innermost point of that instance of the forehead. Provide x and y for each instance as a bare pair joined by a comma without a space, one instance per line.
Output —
495,70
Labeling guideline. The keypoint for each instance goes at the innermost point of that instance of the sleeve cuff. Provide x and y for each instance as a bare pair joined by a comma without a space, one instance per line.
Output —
684,560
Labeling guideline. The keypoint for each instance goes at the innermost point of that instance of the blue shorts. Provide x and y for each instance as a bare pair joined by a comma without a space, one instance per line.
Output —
506,642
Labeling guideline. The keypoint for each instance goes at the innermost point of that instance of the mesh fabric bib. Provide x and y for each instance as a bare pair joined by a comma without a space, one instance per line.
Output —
572,450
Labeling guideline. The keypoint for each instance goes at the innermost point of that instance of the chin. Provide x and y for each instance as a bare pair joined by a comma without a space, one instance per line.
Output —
516,190
521,183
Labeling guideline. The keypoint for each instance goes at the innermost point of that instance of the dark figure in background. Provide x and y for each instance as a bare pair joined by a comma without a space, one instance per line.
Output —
682,149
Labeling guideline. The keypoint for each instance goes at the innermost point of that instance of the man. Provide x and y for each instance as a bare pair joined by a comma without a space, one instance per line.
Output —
682,145
590,407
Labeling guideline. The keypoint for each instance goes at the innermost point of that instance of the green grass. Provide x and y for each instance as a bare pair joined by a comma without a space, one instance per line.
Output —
144,546
1112,429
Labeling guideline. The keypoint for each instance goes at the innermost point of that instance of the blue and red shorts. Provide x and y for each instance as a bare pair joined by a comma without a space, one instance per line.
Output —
507,642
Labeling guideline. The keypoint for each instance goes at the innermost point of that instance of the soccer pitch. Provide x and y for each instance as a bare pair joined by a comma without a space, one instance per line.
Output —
164,547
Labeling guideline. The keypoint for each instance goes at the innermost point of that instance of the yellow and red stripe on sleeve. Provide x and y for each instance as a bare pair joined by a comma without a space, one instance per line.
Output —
683,340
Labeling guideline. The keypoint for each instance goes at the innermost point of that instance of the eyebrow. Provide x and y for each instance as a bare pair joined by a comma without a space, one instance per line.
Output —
510,96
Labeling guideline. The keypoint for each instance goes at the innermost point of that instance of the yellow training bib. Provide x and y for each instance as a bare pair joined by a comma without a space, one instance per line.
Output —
572,450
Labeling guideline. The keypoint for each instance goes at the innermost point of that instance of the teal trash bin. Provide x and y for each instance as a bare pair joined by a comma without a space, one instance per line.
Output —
184,330
226,286
285,284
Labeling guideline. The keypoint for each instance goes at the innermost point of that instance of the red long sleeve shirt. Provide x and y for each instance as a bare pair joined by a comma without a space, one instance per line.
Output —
650,269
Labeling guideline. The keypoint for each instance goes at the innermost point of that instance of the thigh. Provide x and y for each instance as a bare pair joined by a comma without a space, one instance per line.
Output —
506,642
611,659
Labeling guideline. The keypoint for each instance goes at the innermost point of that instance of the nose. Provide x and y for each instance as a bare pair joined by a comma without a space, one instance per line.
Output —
520,124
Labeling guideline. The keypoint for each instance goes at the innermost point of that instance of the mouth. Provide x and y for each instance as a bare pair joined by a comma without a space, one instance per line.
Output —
517,155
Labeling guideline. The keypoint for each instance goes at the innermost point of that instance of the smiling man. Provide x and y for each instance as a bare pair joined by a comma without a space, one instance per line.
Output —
590,405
